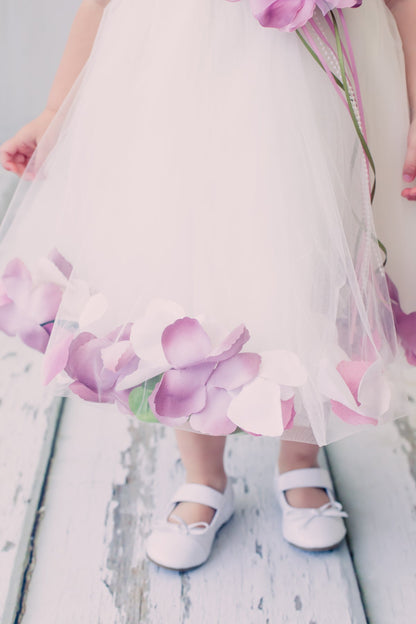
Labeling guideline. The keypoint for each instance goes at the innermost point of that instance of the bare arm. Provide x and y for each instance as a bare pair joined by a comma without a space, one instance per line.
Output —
17,151
78,49
404,12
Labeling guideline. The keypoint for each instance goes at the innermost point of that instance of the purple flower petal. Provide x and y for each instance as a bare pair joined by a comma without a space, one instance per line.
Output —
10,319
77,343
352,372
236,371
57,356
288,413
182,392
231,345
185,343
90,395
44,302
213,418
115,335
290,15
128,363
283,14
17,282
328,5
118,355
257,408
4,299
165,420
121,399
350,416
34,336
60,262
85,363
405,324
407,334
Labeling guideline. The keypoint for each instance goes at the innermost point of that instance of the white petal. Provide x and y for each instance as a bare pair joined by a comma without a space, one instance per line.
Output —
286,393
282,367
217,333
145,370
374,391
257,408
112,354
94,309
47,271
146,332
74,300
333,386
61,382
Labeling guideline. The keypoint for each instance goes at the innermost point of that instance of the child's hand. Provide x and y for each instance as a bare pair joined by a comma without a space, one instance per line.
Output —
16,152
409,169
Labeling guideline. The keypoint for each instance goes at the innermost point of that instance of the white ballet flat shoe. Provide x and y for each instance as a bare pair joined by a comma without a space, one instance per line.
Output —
313,529
179,546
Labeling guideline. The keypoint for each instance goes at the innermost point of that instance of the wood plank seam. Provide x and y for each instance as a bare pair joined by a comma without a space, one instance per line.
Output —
31,548
348,541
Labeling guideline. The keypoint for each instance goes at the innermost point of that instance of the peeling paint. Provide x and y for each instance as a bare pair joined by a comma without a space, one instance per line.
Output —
16,493
8,546
185,596
408,433
128,581
259,549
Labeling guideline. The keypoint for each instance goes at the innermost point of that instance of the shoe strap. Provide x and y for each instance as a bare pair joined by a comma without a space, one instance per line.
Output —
304,477
197,493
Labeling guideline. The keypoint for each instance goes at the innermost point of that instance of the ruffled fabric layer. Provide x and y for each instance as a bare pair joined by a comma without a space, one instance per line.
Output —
205,252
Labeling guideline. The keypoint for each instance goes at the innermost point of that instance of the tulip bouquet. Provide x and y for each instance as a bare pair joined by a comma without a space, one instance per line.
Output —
290,15
321,26
322,29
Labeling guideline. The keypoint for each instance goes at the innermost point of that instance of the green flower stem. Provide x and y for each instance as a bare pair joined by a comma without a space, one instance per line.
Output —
343,84
349,101
316,57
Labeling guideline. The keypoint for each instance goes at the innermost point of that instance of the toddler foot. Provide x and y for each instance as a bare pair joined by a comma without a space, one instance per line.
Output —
311,517
306,497
183,544
193,513
311,497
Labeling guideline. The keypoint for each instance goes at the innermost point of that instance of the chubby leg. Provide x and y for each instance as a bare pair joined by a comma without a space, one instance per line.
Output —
295,455
203,459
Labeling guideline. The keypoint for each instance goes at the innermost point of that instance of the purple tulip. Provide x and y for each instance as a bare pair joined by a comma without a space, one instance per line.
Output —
289,15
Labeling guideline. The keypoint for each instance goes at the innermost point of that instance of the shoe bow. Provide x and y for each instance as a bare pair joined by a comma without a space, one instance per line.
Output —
332,509
180,525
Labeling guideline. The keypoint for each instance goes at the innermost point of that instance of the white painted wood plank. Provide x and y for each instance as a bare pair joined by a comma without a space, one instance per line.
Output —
27,426
109,477
375,473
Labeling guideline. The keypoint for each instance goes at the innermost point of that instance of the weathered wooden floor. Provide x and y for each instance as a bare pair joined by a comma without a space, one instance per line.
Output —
79,490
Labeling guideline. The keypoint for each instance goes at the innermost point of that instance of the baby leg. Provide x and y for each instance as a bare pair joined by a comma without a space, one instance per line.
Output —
294,455
203,459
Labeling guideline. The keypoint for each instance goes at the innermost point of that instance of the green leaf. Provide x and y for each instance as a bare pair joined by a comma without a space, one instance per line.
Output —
139,400
238,430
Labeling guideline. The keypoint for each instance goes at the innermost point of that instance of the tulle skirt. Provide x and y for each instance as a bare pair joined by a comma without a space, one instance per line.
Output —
197,244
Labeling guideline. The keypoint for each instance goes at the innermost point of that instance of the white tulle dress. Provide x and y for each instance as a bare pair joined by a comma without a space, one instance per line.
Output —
197,245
